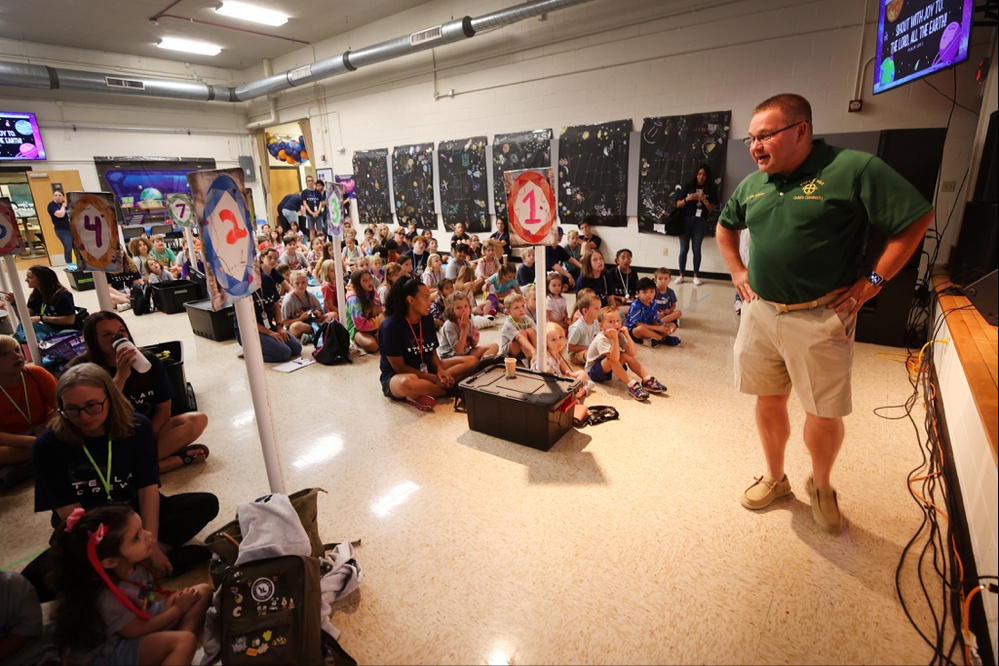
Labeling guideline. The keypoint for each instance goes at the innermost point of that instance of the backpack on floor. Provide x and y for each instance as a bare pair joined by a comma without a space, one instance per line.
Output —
332,344
270,612
140,297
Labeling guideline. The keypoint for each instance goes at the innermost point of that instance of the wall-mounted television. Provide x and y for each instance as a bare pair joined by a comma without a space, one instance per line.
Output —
919,37
19,137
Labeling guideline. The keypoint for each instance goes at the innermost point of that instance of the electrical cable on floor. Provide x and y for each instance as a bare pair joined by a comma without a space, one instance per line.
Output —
931,538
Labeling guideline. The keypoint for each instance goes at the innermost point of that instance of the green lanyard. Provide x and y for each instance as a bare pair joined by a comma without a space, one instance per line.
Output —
27,405
105,480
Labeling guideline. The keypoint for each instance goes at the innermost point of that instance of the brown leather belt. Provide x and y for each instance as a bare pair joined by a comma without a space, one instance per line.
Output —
810,305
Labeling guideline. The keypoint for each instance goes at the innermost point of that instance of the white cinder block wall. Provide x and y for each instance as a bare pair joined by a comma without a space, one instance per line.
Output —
615,59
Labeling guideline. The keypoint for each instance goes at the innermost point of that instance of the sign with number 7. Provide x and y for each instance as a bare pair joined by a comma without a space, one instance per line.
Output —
95,231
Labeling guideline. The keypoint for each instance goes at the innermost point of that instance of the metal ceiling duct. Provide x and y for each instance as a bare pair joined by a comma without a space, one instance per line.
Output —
24,75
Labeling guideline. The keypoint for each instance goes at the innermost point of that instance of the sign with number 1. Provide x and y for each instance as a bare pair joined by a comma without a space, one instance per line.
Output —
531,206
226,235
10,235
95,231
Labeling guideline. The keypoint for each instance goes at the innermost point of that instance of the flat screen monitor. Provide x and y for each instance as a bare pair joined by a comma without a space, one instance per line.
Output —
919,37
20,138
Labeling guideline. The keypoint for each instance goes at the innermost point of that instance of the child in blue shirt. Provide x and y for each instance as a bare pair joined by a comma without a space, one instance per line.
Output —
500,285
643,320
666,298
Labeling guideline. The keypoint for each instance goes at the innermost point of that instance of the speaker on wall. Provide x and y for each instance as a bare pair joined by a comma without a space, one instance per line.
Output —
984,295
975,253
249,172
987,184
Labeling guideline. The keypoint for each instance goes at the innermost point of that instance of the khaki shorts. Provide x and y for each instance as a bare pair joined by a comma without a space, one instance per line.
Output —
809,350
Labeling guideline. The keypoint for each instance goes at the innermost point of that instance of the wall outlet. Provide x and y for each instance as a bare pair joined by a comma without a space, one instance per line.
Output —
665,251
948,186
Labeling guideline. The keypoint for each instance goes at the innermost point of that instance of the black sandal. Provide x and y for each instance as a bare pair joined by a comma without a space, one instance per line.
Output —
191,452
601,413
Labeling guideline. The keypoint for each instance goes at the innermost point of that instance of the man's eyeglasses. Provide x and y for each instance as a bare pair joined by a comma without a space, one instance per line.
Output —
767,137
91,408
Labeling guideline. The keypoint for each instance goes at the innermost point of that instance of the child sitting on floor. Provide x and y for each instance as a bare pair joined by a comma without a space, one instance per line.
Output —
525,273
518,337
623,282
556,308
111,609
556,363
666,298
460,336
500,285
613,353
643,321
585,328
443,291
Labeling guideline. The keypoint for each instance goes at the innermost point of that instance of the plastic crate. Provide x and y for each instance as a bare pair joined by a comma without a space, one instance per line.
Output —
171,355
208,323
533,408
80,280
170,297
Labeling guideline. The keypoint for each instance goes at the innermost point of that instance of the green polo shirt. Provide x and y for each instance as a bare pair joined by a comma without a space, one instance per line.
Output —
809,230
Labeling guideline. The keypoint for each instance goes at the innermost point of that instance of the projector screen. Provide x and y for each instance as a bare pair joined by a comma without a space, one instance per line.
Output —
919,37
19,137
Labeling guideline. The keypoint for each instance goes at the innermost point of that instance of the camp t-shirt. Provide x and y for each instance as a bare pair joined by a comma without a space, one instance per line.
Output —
62,304
148,389
397,337
64,475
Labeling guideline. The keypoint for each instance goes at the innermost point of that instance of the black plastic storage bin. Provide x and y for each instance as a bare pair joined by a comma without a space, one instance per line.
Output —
171,354
170,297
198,278
80,280
210,324
533,408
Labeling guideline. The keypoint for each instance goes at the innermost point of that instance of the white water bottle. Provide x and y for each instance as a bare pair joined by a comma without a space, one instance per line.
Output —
140,363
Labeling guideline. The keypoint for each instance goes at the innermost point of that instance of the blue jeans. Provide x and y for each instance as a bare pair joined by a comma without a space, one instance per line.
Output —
694,232
65,237
275,351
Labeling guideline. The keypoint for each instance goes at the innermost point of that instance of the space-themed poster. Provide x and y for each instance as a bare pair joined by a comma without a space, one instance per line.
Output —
462,169
593,173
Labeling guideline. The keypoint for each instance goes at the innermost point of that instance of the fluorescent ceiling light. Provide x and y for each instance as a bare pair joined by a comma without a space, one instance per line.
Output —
245,12
188,46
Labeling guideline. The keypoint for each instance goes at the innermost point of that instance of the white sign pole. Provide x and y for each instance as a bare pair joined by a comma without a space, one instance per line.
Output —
340,291
22,309
103,295
192,254
540,292
259,394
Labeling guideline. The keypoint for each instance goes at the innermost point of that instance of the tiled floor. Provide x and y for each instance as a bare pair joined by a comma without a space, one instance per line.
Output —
625,543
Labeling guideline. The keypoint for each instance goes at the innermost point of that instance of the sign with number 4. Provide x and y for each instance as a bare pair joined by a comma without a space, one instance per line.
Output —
95,231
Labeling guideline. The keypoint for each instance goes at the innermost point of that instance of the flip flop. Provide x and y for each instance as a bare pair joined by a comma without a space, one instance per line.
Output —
601,413
191,452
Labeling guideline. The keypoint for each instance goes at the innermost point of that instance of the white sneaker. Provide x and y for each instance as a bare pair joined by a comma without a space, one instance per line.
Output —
678,280
697,282
121,307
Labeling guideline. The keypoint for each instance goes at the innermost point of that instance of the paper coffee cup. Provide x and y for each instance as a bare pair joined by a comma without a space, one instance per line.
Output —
511,367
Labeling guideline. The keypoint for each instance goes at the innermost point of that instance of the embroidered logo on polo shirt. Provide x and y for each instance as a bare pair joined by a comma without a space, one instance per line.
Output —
810,187
754,196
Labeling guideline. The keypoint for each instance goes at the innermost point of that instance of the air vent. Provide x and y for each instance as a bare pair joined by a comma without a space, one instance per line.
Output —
130,84
428,35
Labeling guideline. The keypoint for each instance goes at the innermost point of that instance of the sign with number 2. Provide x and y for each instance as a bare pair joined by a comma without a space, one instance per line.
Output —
95,231
10,236
226,234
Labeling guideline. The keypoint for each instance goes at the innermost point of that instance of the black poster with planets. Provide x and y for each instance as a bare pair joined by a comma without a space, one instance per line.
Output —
672,149
413,185
462,169
593,174
371,186
513,152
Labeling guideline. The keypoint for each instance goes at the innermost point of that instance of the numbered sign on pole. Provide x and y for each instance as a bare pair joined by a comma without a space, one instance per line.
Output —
226,235
95,231
180,208
10,235
334,226
531,205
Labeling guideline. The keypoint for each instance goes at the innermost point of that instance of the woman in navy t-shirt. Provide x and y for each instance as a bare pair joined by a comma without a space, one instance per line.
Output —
411,370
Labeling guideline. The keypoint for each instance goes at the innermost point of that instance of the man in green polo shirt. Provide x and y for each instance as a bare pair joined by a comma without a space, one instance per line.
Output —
808,209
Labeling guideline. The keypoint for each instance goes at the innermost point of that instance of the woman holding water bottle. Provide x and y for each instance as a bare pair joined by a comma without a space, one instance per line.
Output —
143,379
697,200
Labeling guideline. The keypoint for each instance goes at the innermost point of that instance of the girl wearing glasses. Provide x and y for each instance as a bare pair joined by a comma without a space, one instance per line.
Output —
97,451
697,200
